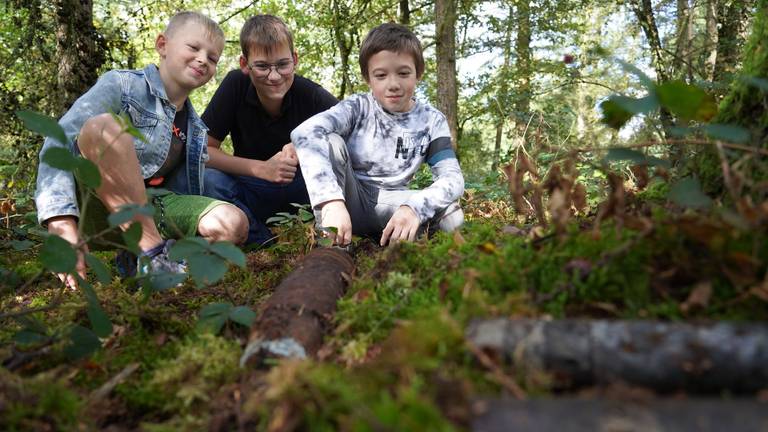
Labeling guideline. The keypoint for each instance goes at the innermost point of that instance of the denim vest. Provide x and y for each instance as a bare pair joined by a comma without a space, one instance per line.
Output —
140,95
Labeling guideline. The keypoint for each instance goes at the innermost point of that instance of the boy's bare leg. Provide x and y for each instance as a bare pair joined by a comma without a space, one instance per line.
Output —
224,222
102,142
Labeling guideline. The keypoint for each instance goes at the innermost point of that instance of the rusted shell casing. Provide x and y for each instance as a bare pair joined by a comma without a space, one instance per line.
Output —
293,321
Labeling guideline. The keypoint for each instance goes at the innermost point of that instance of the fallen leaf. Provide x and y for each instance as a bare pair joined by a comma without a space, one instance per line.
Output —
698,298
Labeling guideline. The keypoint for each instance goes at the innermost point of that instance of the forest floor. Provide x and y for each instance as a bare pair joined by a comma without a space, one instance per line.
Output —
397,357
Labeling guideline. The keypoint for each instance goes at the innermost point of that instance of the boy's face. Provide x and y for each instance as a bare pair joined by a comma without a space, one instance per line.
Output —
271,74
392,79
188,56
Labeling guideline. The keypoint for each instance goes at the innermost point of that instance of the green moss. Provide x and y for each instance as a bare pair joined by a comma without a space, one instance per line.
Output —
37,403
202,365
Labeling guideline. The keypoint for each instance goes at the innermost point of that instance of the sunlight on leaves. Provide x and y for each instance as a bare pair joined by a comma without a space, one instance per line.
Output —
687,101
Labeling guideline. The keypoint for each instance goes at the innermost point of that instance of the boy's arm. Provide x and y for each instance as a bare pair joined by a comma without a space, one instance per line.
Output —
280,168
313,148
448,184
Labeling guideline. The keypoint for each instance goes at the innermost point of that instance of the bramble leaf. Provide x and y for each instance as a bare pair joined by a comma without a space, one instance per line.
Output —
42,124
60,158
99,269
727,132
242,315
687,193
83,342
58,255
229,252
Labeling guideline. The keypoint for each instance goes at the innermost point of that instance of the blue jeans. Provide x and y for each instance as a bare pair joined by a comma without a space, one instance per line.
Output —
259,199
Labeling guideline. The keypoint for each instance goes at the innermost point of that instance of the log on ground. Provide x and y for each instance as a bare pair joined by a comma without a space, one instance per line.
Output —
590,415
664,356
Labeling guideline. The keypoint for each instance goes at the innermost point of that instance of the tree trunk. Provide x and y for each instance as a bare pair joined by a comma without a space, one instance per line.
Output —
732,18
80,49
503,95
745,105
681,64
710,47
344,43
405,12
445,40
643,10
523,51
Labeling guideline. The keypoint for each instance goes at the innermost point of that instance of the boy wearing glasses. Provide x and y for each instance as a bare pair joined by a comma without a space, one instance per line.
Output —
258,106
359,156
172,151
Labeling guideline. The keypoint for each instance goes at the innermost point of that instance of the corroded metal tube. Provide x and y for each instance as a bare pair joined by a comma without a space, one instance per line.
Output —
293,321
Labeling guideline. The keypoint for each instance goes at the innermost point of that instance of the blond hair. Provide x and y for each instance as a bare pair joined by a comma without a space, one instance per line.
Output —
211,27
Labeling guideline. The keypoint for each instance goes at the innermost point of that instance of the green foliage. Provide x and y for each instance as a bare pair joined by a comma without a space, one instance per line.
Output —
203,363
213,317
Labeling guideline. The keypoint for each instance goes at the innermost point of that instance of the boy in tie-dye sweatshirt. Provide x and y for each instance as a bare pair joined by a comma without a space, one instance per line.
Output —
358,157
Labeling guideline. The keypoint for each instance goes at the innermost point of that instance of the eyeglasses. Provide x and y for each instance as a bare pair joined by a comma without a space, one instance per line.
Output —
262,70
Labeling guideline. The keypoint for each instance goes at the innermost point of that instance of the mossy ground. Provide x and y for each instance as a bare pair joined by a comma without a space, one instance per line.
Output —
397,358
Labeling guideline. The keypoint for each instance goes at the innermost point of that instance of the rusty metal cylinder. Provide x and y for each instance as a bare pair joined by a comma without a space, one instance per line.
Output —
293,321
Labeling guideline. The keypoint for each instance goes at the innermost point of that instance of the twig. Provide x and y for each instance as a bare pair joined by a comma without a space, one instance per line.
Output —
498,375
237,12
110,385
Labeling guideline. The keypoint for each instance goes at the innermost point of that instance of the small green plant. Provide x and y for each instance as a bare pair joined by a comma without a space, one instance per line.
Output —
207,263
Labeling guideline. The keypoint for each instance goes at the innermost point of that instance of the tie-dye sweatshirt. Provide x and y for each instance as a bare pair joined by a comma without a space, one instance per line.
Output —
385,149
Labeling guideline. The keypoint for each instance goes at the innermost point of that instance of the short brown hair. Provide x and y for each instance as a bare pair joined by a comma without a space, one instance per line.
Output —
391,37
211,27
264,32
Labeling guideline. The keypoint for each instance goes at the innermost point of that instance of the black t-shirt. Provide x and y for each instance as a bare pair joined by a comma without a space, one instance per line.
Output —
235,109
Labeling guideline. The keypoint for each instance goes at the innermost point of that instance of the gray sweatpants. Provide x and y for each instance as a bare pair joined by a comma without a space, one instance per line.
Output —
370,207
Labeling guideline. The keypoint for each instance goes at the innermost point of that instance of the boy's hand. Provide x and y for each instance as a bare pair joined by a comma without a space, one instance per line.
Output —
281,168
334,214
290,151
403,225
66,228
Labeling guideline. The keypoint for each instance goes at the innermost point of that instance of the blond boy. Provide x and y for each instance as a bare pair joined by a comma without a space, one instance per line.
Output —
173,151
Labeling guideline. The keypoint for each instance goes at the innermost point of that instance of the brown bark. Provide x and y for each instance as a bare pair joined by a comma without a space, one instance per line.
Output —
659,355
344,40
503,94
80,49
405,12
445,40
523,51
710,39
732,16
293,321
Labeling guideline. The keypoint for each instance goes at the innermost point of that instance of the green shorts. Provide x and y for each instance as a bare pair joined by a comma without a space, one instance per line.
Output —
176,216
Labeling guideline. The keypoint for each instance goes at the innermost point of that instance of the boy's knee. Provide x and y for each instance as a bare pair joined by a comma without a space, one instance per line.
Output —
224,222
99,131
452,219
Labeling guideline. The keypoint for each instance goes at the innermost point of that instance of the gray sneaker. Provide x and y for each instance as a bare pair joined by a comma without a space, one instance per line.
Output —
156,261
